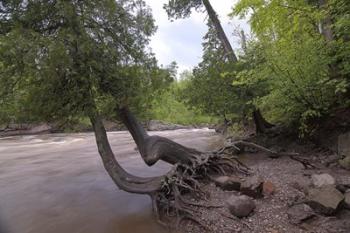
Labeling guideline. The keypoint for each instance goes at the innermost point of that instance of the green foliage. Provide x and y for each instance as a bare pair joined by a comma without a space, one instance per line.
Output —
169,107
61,58
292,76
289,69
210,87
181,8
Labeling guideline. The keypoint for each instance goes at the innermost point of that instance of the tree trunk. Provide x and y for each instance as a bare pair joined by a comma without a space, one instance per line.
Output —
244,42
328,34
121,178
258,118
154,148
220,31
261,125
168,192
326,24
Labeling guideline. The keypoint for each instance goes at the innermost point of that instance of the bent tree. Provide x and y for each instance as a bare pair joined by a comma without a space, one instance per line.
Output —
70,59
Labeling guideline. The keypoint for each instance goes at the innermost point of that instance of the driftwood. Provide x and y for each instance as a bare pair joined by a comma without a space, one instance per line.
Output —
236,145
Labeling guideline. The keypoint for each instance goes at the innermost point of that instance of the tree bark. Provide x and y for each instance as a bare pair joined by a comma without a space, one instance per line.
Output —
168,192
326,24
121,178
220,31
261,125
154,148
244,42
328,34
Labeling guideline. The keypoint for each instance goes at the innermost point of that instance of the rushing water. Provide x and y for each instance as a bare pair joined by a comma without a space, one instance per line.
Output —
57,184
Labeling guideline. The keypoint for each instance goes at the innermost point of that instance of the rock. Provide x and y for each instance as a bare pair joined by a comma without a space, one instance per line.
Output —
113,126
344,144
322,180
299,213
240,206
155,125
228,183
342,187
347,199
42,128
302,185
252,186
345,163
325,200
268,188
25,129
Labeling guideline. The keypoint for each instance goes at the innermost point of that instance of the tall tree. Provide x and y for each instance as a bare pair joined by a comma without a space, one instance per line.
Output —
182,9
68,56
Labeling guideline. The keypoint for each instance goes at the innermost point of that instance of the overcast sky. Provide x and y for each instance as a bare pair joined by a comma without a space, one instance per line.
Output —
181,40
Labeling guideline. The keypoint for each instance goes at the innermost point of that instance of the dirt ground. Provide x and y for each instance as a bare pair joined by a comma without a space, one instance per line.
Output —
270,216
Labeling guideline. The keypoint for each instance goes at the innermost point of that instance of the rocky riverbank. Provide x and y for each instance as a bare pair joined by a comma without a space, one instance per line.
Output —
44,128
282,195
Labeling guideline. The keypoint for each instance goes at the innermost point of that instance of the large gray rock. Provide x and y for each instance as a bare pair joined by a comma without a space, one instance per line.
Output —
252,186
155,125
322,180
240,206
344,144
228,183
325,200
42,128
299,213
25,129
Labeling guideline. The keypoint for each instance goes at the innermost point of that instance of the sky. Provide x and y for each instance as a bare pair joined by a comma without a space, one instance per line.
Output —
181,40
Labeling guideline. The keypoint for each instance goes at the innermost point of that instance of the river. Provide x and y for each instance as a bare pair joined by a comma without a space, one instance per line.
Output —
56,183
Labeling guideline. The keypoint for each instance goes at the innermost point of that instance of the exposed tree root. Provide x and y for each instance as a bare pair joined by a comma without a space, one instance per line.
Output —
238,145
181,188
178,195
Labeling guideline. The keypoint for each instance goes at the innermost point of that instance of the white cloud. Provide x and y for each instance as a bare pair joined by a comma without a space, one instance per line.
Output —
181,40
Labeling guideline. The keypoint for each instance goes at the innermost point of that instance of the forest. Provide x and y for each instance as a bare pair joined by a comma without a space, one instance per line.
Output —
285,93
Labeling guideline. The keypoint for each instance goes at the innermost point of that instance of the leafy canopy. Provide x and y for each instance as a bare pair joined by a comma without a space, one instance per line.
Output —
60,58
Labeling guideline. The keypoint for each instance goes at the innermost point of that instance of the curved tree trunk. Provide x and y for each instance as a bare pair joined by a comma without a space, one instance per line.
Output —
168,192
121,178
154,148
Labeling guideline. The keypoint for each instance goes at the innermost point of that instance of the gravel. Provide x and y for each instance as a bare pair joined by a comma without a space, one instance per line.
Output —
270,216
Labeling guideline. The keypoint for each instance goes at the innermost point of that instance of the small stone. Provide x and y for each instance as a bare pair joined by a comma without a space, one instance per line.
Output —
252,186
325,200
240,206
322,180
228,183
299,213
268,188
302,185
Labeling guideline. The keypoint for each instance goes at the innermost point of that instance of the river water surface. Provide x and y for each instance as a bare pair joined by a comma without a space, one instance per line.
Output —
56,183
